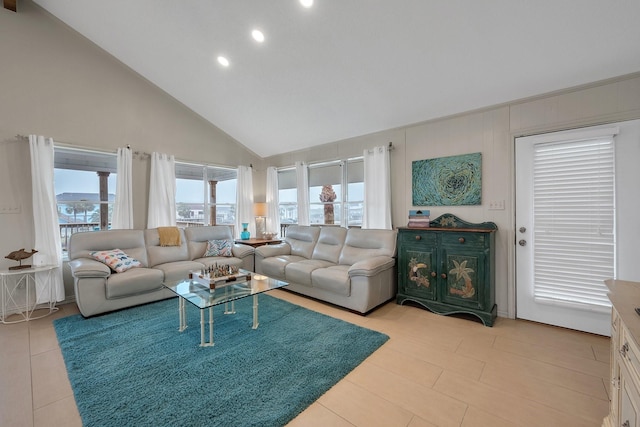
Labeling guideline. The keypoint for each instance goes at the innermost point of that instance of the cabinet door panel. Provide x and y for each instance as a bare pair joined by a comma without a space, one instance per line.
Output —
465,280
416,270
629,401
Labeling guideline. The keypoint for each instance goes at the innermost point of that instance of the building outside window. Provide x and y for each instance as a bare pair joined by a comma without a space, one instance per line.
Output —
354,198
205,195
336,193
287,196
85,184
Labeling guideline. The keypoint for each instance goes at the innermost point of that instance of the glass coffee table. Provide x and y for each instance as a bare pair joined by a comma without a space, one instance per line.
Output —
202,297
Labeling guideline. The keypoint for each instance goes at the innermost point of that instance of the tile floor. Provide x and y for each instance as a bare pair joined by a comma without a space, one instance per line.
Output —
434,371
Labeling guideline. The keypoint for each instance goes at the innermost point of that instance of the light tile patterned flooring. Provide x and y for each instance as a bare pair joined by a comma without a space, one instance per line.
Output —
434,371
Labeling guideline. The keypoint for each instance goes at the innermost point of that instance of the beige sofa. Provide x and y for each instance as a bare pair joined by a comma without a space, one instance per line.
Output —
99,289
351,268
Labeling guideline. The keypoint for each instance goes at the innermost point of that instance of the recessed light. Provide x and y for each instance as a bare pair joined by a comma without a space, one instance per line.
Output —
306,3
257,36
223,61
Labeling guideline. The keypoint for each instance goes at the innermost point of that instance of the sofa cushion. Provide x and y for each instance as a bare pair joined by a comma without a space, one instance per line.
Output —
300,272
333,279
130,241
198,237
178,270
133,282
275,266
360,244
330,242
219,248
116,259
302,240
163,254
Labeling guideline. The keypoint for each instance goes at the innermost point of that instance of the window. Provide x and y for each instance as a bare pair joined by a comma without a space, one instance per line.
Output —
205,195
336,193
574,217
84,183
355,192
287,196
325,193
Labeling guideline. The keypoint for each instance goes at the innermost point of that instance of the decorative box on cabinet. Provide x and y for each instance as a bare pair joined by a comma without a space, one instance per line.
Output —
624,392
449,267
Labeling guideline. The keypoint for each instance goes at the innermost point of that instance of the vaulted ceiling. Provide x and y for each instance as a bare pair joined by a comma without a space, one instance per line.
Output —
344,68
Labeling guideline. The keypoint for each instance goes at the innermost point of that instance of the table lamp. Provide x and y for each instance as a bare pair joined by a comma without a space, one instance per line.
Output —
260,211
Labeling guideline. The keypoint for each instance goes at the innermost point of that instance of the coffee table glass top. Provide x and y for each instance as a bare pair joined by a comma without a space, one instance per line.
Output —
199,294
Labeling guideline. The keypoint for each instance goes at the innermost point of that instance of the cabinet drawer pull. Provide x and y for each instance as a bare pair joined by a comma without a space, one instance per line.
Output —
418,237
433,274
461,240
624,349
444,276
615,383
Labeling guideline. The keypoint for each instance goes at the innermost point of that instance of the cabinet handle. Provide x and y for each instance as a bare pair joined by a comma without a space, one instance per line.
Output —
433,274
615,383
626,424
418,237
624,349
444,276
461,240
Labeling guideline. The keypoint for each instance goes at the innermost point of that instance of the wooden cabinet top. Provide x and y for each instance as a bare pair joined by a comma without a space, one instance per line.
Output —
450,222
625,297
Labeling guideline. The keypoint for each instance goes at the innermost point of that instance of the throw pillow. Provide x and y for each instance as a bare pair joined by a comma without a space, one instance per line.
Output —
219,248
116,259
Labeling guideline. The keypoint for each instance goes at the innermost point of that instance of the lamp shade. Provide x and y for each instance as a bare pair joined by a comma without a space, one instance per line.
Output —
260,209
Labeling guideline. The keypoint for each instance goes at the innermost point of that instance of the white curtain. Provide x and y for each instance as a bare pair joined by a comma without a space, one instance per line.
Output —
244,201
302,184
377,189
123,205
45,221
273,211
162,191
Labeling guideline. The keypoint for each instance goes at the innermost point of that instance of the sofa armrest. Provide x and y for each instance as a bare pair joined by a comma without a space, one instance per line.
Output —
241,251
371,266
267,251
86,267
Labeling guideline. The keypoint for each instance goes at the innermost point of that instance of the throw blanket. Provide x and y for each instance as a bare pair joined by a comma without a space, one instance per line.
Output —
169,236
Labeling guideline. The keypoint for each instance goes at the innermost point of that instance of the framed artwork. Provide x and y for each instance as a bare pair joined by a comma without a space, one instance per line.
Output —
447,181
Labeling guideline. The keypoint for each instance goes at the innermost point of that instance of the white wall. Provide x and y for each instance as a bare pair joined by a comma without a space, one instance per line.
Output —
627,148
492,132
56,83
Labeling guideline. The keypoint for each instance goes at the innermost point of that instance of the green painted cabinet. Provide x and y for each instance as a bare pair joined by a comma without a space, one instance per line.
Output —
449,267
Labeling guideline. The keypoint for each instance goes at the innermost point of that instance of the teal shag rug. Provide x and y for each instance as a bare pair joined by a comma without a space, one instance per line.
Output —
133,368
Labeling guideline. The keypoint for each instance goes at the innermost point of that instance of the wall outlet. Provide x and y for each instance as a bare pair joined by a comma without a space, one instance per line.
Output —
6,209
496,205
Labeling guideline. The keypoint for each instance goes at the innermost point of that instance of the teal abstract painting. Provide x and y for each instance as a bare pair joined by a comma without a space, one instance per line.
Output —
447,181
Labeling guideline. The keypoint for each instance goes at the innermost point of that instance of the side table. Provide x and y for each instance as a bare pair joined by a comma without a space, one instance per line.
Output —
258,242
18,294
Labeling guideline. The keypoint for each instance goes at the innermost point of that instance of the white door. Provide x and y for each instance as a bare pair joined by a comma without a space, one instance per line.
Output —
565,219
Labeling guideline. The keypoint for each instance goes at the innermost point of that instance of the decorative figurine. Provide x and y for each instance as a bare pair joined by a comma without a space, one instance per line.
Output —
19,255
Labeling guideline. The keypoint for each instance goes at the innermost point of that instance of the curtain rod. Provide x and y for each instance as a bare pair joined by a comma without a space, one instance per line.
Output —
141,154
389,147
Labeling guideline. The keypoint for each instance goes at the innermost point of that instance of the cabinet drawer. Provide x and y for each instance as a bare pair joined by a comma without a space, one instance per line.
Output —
461,239
418,236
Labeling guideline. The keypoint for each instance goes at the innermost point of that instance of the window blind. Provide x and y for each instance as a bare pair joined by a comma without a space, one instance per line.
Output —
574,222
